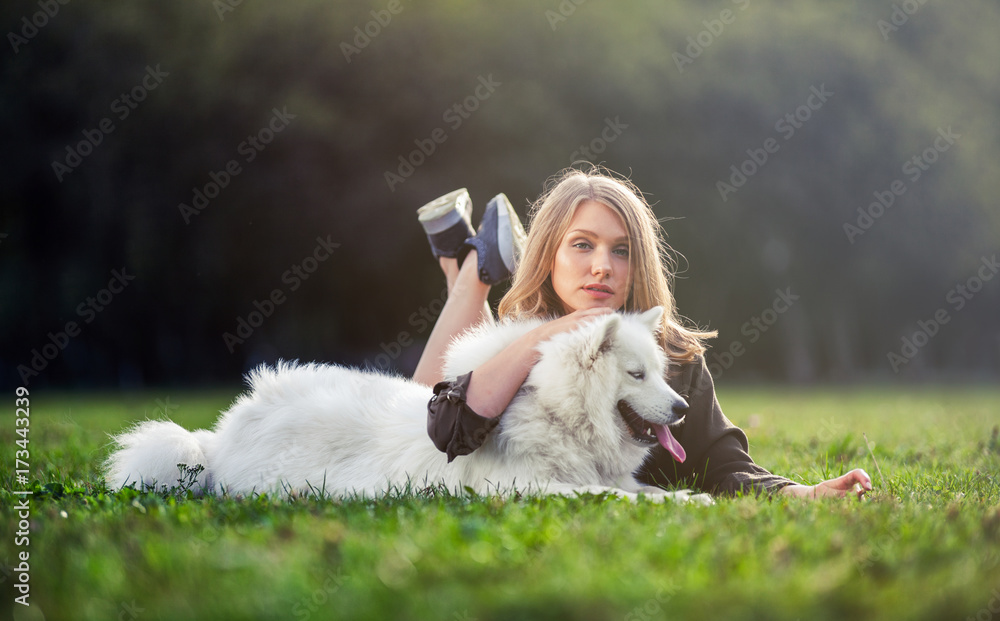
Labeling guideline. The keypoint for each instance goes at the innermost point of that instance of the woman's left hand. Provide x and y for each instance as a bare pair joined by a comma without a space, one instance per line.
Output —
855,482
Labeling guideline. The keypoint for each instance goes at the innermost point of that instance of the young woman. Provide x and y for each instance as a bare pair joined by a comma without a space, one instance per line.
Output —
594,247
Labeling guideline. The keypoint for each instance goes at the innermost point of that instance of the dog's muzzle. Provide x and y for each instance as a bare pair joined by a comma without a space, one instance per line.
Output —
641,430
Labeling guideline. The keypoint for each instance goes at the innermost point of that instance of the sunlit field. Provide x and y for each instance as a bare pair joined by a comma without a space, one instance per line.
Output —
924,545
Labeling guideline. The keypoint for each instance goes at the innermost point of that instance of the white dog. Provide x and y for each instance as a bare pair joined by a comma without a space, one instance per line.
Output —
585,419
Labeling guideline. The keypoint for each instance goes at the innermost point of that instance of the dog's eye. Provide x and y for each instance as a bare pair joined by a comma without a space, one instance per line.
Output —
639,375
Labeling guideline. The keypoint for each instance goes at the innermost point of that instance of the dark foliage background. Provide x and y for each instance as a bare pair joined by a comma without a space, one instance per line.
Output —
566,73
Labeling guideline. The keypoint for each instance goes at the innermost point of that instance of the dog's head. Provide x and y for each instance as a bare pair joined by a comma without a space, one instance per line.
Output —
613,371
647,405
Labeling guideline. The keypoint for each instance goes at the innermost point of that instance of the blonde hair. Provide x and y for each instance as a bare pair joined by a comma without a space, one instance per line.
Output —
651,262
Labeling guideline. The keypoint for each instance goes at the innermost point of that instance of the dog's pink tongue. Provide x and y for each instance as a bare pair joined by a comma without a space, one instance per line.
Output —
669,442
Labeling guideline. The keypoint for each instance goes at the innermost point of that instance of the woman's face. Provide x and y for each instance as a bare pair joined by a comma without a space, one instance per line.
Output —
591,268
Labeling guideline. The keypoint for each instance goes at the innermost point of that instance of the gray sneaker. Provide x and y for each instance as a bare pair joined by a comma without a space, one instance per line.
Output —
447,221
498,243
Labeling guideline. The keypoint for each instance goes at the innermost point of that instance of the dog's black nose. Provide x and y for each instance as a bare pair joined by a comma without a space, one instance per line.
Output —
678,410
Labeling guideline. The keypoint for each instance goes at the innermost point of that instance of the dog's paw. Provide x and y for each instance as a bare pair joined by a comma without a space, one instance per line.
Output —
649,494
685,496
705,500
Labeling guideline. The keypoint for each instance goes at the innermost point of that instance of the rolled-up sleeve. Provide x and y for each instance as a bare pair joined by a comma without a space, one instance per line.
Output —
718,454
452,425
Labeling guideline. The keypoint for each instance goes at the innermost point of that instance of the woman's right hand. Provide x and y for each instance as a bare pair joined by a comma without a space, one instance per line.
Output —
567,322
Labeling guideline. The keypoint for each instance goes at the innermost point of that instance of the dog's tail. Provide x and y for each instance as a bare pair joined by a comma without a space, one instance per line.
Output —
150,453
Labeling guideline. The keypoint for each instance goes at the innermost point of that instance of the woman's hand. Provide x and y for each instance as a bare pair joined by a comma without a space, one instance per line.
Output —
855,482
567,322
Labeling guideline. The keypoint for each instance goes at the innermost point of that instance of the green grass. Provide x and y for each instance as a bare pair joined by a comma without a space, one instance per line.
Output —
925,545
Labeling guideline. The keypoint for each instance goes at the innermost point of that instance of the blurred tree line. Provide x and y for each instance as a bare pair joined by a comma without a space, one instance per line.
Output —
191,188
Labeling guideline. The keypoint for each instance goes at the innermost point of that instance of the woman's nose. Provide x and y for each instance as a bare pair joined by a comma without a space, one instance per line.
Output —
601,264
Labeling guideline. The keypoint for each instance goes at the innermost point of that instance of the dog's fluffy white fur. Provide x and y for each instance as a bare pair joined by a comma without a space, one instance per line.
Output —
343,431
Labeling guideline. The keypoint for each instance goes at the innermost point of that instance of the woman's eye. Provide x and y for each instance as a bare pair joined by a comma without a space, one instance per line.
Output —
622,252
581,244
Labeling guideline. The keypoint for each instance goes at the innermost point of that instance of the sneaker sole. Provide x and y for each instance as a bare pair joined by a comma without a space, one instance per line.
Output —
445,211
510,233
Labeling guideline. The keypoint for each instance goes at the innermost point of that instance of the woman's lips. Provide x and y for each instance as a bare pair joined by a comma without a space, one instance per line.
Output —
600,292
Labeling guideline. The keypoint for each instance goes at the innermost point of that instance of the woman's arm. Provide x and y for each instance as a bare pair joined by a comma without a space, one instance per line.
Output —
718,454
464,411
854,482
494,383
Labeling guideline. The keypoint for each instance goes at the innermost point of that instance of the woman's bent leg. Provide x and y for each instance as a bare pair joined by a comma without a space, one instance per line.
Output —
465,307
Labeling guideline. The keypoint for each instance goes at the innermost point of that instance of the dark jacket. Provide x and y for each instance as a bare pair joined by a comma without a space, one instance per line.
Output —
718,459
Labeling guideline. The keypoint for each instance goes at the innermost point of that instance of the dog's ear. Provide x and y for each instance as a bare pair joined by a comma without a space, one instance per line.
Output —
652,319
602,338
